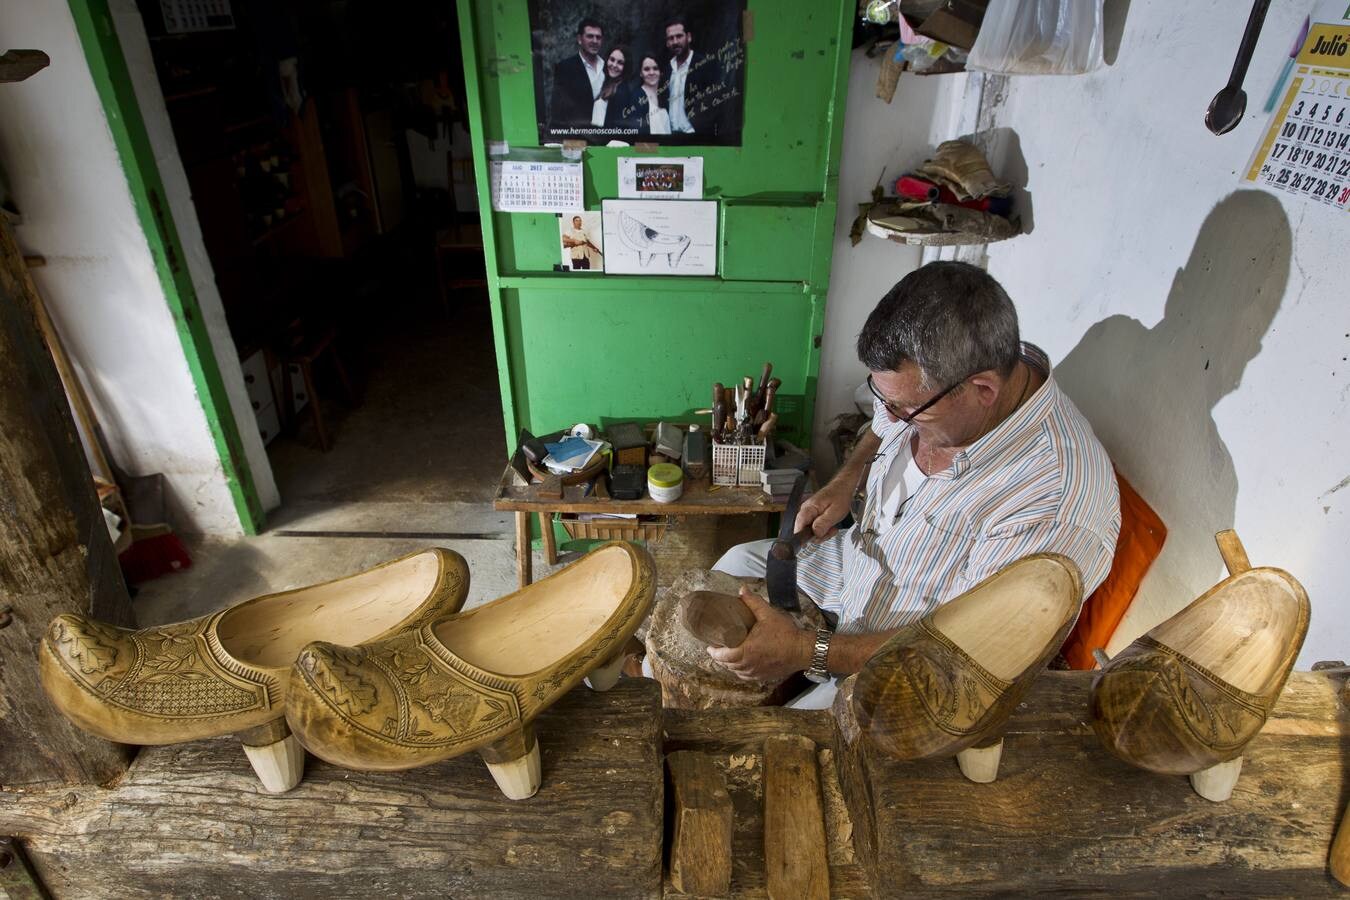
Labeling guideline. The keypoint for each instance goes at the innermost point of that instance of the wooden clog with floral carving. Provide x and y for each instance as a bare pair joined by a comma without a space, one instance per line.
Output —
227,673
946,684
1188,696
476,680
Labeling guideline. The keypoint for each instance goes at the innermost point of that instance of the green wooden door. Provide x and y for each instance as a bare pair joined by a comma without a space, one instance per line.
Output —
580,348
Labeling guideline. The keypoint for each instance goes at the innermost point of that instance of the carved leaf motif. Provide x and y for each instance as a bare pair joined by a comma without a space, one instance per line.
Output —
174,654
415,674
1193,707
86,650
496,709
346,686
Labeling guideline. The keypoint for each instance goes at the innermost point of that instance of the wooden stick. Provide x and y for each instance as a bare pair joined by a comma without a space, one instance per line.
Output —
1233,553
795,856
700,850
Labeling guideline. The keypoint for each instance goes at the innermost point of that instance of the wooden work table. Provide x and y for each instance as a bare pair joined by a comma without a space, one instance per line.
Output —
700,499
1063,818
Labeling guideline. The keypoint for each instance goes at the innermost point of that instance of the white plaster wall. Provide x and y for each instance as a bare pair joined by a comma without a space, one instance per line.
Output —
1200,324
100,281
877,137
140,63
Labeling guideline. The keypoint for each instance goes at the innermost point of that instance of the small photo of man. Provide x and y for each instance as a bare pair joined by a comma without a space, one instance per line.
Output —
582,241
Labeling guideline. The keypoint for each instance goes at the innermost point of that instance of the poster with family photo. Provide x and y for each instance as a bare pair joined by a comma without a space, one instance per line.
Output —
636,72
582,241
661,237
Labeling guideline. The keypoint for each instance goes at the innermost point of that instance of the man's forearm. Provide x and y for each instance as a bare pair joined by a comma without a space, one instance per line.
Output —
849,652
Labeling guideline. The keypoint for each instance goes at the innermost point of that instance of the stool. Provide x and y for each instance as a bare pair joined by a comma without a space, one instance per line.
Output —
463,243
304,352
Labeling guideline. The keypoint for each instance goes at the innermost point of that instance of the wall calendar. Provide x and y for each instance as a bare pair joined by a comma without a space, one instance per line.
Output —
1305,151
536,181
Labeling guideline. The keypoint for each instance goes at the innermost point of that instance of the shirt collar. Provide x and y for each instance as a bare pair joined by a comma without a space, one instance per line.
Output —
675,62
599,61
1013,430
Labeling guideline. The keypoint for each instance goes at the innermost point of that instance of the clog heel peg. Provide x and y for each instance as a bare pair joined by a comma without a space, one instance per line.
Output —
980,764
605,676
514,763
1216,783
275,754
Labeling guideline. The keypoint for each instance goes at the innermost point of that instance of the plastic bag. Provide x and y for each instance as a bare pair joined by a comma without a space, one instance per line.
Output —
1039,37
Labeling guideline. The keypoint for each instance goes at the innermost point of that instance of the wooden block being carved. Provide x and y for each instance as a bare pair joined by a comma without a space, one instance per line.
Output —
718,620
700,850
796,864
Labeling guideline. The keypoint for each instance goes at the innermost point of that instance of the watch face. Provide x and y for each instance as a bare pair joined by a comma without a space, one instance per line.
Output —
817,678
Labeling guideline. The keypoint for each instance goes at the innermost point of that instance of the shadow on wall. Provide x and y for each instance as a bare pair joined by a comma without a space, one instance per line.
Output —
1003,149
1150,392
1114,13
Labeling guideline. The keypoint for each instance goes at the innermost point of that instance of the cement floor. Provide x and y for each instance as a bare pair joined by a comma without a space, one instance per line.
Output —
413,465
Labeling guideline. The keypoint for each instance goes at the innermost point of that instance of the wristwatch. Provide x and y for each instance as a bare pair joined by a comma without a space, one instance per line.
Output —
817,672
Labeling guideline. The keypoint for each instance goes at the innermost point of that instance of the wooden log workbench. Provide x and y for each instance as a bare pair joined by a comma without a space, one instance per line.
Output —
1063,817
703,522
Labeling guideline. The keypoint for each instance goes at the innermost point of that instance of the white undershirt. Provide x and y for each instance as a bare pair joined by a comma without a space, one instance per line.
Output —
596,73
679,118
903,478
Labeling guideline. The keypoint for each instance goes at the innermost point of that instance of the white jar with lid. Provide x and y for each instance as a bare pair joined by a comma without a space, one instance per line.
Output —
665,482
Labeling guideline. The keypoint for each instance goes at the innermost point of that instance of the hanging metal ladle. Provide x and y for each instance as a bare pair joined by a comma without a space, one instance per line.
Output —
1226,109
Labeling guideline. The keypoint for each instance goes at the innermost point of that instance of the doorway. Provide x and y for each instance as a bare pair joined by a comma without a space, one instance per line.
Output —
326,147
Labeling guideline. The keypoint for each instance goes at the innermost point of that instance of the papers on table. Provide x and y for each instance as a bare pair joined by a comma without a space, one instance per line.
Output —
571,454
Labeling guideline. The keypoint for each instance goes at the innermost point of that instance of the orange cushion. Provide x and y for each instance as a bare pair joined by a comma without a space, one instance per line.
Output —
1141,540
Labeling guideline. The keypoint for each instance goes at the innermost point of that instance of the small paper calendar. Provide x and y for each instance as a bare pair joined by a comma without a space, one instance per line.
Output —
536,181
182,16
1306,149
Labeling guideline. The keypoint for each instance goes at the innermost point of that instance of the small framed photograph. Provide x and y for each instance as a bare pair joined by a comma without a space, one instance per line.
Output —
672,178
582,241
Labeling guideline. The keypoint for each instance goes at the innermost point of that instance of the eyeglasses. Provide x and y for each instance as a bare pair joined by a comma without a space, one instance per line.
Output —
908,418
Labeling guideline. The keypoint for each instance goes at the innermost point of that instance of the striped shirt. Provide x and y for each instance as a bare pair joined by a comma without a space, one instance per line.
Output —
1038,482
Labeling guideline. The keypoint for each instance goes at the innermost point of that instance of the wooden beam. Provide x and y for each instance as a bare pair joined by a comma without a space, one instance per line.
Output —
17,65
1067,817
190,820
700,840
796,863
55,553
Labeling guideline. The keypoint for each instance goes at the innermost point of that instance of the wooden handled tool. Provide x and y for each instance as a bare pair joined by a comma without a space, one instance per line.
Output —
786,549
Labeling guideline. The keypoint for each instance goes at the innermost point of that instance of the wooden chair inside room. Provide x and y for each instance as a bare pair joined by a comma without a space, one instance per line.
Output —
461,247
305,347
460,244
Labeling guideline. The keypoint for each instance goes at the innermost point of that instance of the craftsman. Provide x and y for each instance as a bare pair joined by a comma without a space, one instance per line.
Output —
977,459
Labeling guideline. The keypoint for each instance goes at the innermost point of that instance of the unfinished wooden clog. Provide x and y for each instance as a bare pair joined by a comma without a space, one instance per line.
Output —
227,673
718,620
476,680
946,684
1188,696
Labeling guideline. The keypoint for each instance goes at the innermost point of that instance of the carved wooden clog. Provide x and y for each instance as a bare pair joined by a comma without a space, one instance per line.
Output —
1188,696
476,680
227,673
946,684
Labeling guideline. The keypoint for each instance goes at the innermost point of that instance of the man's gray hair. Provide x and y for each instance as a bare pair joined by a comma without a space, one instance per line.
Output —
951,319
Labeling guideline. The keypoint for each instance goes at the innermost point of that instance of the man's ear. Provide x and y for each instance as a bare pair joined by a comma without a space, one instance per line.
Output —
986,385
